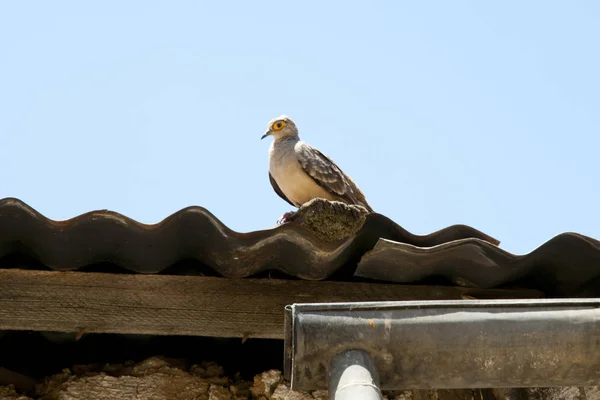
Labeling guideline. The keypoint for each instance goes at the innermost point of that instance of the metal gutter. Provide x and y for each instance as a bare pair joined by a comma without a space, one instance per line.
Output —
445,344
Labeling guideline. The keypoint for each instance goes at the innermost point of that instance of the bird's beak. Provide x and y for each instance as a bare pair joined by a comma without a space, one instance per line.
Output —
267,133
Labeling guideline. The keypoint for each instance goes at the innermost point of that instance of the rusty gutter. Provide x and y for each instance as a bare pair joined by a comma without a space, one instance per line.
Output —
442,344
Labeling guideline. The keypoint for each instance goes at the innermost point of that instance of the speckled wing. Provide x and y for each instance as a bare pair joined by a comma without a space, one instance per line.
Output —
328,175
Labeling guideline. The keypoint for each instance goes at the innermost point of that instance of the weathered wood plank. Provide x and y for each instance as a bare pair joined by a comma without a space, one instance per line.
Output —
89,302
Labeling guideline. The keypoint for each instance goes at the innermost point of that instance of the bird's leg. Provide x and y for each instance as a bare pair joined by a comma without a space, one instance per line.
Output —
287,217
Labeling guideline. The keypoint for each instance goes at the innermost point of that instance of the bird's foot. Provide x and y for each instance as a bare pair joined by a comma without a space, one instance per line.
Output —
287,217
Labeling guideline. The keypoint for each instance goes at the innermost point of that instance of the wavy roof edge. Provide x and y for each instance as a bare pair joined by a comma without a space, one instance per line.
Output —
567,264
380,250
195,233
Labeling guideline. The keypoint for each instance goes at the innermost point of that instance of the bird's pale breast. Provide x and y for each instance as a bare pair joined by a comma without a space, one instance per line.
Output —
297,186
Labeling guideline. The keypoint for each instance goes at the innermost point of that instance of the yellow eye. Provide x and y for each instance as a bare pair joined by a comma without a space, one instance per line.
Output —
279,125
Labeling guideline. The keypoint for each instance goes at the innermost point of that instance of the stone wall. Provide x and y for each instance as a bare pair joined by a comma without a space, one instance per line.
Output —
157,379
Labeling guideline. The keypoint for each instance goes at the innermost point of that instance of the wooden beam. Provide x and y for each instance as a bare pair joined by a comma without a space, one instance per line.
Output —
87,302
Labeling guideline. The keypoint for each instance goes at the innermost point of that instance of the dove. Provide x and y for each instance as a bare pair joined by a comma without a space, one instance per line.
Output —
298,172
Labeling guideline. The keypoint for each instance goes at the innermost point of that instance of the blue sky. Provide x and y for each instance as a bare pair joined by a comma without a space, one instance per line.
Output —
446,112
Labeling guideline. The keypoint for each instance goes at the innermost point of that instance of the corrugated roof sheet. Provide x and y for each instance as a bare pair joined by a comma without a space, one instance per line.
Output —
566,265
569,264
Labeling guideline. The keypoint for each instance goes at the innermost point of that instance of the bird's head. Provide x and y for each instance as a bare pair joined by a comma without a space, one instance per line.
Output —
280,127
